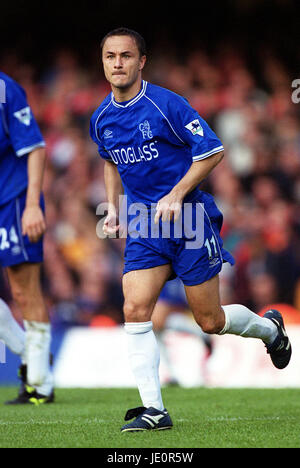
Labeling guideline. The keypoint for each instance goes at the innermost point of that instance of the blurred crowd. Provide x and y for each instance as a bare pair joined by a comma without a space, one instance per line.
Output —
257,185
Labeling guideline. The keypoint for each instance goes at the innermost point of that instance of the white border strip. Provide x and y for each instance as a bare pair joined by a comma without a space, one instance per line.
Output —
29,149
209,153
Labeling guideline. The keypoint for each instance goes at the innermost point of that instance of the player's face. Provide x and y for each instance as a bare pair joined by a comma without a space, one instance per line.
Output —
122,62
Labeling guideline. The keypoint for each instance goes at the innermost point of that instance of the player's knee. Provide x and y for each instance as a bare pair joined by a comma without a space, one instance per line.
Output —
211,325
136,312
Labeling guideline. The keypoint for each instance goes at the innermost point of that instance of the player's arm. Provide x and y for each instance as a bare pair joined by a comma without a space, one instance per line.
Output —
169,207
33,221
114,189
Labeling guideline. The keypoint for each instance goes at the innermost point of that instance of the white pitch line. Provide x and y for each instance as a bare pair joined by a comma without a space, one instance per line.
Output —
101,421
228,419
71,423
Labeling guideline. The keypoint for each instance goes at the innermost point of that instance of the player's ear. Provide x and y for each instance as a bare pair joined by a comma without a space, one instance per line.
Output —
142,62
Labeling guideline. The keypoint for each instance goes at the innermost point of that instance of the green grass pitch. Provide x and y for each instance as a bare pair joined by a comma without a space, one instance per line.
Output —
203,418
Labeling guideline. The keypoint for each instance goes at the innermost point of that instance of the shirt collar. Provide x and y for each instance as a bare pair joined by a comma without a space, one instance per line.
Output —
133,100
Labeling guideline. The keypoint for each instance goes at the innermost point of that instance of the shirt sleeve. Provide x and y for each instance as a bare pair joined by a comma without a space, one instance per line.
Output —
95,137
22,128
192,130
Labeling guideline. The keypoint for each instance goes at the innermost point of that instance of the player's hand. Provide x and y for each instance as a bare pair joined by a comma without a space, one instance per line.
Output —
111,224
33,223
168,208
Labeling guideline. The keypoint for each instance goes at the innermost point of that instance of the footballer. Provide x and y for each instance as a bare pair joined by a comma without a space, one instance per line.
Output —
22,225
158,149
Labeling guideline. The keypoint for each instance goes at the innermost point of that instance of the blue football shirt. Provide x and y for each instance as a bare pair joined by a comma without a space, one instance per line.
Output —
153,139
19,135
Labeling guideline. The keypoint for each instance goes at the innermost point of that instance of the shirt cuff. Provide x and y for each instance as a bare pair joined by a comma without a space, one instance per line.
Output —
208,154
29,149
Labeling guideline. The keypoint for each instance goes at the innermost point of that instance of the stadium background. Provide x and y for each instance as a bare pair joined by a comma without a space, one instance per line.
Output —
235,62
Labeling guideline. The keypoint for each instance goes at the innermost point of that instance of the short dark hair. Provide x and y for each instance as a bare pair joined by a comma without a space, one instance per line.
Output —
140,41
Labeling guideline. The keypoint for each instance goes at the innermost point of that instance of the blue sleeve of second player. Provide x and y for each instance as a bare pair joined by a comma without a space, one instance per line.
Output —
23,129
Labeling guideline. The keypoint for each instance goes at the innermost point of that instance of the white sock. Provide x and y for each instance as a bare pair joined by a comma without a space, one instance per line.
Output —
144,360
38,337
47,387
241,321
11,332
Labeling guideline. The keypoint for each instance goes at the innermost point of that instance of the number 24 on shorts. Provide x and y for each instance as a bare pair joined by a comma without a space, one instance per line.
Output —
7,238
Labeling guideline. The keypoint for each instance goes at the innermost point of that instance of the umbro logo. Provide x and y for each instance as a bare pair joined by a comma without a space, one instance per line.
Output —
108,133
24,116
213,262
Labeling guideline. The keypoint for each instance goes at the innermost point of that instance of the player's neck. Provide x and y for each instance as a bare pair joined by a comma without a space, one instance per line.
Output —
126,94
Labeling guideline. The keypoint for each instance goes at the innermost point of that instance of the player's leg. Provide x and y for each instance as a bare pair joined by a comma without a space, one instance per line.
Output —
14,338
204,300
26,290
199,266
11,332
161,312
141,289
170,313
236,319
177,317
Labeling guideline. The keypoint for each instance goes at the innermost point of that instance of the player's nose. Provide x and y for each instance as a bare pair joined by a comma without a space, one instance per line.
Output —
118,62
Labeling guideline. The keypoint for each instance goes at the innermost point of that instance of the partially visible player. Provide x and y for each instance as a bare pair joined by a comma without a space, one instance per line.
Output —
22,225
171,312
